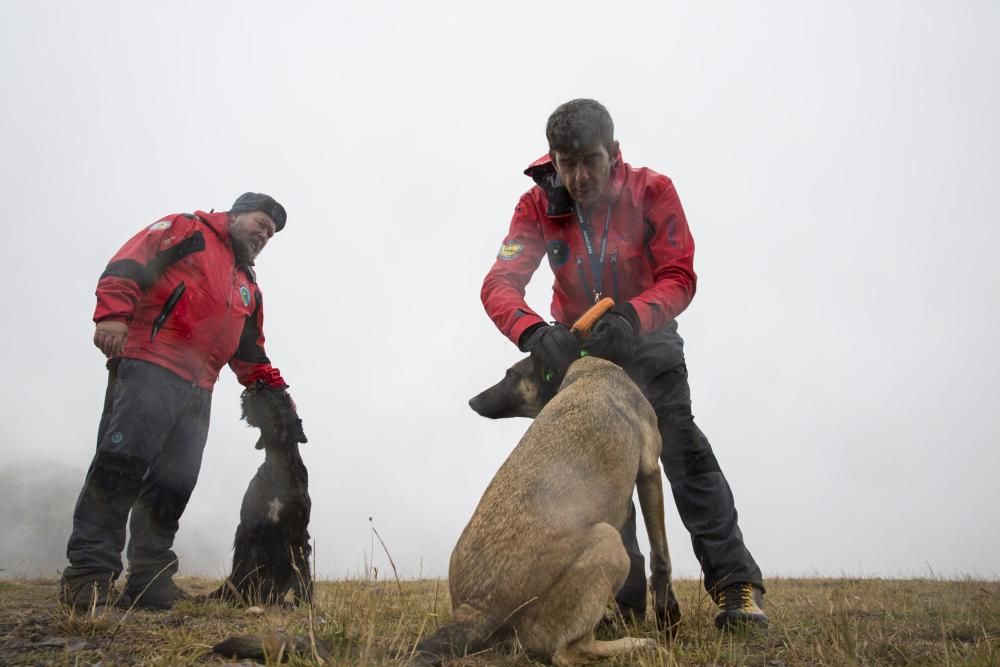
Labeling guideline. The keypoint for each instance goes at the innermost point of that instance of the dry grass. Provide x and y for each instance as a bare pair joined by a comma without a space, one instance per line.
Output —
813,622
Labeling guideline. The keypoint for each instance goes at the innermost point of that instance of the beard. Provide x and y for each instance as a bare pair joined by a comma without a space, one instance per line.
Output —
244,254
242,249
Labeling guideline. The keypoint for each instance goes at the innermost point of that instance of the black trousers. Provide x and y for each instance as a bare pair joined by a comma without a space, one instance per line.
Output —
702,494
149,448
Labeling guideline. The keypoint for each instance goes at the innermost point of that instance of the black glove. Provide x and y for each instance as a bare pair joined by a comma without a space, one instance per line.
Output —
554,346
273,412
613,337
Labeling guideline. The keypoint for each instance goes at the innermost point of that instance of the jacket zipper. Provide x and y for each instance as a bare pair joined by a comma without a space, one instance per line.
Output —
229,308
583,274
614,275
168,308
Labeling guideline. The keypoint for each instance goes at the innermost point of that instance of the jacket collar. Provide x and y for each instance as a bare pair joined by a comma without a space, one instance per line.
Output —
217,222
543,172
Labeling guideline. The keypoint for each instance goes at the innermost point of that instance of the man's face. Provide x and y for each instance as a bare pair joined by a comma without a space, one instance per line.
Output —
251,231
585,172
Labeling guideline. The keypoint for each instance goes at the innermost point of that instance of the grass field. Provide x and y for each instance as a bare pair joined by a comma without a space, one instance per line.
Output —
813,622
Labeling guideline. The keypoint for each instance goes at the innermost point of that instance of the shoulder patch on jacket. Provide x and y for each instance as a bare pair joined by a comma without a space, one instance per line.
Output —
510,249
160,224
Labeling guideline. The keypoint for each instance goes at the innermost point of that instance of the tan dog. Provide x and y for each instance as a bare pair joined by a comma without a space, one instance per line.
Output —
542,555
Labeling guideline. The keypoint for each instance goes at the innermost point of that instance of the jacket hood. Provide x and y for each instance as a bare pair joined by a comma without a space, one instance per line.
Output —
219,223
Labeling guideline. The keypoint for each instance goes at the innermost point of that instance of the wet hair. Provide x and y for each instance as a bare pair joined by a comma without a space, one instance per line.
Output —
580,123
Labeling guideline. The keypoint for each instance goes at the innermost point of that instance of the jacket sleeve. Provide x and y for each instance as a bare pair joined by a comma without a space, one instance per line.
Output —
250,363
142,260
503,288
671,252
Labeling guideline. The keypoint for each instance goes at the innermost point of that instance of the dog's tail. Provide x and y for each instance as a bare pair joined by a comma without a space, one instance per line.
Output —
466,632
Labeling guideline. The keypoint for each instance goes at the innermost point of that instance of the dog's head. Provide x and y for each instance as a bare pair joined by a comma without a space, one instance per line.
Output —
273,412
523,392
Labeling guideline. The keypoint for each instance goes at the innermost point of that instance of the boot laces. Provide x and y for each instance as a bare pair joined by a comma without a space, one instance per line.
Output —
737,596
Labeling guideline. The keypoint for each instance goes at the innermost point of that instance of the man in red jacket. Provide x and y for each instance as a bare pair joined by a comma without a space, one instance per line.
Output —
179,300
610,229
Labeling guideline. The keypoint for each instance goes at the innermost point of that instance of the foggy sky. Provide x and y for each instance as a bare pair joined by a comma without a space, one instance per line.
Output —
837,163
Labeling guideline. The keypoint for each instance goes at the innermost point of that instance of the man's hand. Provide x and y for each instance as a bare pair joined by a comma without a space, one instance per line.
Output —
613,337
554,346
109,337
273,411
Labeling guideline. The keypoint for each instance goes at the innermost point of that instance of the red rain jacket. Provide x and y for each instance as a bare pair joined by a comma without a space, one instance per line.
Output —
649,259
219,316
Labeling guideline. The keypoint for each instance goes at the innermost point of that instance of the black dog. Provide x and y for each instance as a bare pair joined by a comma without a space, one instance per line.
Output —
271,550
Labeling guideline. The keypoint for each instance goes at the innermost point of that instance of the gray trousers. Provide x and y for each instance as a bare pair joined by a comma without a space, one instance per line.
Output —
149,448
702,494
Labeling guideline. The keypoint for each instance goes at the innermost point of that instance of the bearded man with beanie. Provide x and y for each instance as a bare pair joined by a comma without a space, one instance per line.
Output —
178,301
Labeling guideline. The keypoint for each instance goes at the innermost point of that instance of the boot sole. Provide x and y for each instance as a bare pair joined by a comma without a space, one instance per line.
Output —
740,622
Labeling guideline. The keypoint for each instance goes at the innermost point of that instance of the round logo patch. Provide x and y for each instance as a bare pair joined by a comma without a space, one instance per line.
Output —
157,226
510,250
558,252
117,437
245,295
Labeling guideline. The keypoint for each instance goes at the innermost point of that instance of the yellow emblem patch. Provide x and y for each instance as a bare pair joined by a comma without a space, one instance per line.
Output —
510,250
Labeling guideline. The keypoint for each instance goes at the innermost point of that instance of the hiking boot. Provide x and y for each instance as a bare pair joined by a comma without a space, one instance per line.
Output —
91,594
157,597
741,606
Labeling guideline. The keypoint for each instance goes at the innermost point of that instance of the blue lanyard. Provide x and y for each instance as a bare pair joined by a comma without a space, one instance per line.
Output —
596,263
